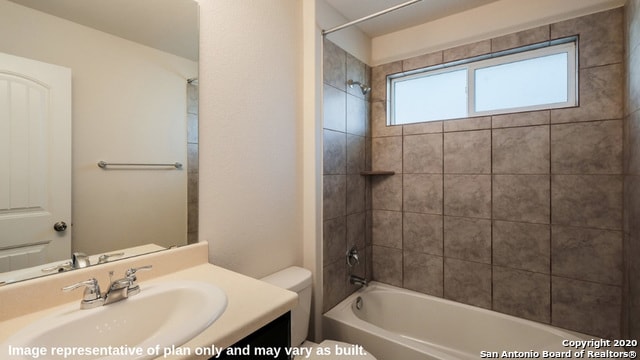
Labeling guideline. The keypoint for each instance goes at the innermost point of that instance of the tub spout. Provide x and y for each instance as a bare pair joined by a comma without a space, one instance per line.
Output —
357,280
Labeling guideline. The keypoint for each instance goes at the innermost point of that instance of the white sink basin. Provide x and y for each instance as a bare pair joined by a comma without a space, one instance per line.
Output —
163,314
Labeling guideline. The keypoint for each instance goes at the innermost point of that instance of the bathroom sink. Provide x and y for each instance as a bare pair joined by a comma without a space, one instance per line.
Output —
162,315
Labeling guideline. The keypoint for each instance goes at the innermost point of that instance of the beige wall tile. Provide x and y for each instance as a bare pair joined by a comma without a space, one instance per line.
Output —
334,106
422,193
467,152
522,246
422,61
386,192
357,115
387,229
467,282
601,36
633,148
334,152
379,126
356,188
334,240
356,154
379,79
467,195
521,198
387,153
422,154
587,148
356,71
601,96
522,150
477,123
334,65
586,307
467,239
429,127
423,273
334,285
521,38
633,70
334,194
541,117
598,197
522,293
387,265
587,254
467,51
356,224
422,233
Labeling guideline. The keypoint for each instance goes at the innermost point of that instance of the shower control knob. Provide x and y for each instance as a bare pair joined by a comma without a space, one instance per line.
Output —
60,226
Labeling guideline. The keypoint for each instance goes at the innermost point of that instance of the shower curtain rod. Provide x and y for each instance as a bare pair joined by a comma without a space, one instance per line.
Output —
357,21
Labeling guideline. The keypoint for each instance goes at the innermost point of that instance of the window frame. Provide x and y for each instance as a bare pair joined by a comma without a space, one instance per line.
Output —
567,45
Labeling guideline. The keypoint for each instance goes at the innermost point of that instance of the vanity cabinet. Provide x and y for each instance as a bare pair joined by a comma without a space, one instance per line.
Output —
264,342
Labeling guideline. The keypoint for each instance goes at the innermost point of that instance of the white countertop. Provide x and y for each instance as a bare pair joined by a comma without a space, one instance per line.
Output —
251,305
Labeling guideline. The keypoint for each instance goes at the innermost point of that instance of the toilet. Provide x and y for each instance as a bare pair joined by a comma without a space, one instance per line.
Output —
298,280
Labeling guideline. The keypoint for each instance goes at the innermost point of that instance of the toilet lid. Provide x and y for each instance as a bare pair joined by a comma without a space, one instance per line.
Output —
335,350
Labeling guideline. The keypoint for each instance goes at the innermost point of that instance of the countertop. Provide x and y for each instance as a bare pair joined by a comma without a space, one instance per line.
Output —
251,305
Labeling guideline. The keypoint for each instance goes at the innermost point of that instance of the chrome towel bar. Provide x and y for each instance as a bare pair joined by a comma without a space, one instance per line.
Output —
104,164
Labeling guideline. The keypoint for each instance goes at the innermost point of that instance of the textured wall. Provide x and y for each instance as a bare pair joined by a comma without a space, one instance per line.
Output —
519,213
250,125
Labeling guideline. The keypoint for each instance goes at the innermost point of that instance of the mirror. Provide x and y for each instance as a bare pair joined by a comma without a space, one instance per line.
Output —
134,68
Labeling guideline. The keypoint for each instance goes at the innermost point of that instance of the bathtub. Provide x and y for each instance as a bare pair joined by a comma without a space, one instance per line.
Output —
398,324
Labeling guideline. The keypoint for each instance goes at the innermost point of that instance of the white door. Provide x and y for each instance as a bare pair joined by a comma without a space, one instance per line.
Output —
35,162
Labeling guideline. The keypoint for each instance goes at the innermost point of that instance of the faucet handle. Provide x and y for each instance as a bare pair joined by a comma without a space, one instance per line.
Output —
92,296
352,257
134,288
105,257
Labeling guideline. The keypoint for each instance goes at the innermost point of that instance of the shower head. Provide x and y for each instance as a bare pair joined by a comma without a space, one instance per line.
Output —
364,88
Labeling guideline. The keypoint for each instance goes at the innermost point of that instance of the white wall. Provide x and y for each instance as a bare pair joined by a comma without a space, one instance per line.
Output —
129,105
494,19
251,134
350,39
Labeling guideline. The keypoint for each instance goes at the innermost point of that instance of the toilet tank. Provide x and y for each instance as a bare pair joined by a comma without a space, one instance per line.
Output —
298,280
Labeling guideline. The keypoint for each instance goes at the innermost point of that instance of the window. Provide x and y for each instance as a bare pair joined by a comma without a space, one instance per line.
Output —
536,77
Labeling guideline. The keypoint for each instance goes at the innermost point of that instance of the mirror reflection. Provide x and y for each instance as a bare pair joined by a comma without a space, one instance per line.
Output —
84,81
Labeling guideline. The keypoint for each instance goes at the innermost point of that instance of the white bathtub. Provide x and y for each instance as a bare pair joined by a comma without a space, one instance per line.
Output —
399,324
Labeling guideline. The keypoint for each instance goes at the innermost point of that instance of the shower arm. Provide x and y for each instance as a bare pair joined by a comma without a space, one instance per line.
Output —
364,88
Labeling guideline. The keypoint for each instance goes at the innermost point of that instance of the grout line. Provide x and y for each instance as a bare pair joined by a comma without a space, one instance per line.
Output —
550,229
442,215
491,207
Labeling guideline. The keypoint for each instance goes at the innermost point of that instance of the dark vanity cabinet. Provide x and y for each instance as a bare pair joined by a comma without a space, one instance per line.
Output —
263,343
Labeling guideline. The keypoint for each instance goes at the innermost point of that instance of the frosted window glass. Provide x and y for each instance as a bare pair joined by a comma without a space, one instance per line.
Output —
531,82
434,97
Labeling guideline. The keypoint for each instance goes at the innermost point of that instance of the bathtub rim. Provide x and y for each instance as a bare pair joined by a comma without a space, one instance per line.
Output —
343,313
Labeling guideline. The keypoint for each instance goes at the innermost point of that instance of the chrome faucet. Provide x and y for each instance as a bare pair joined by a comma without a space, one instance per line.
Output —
357,280
119,289
79,260
92,296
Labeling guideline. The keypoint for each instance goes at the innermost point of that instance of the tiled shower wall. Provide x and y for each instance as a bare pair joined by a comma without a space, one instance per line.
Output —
519,213
192,163
346,145
632,171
